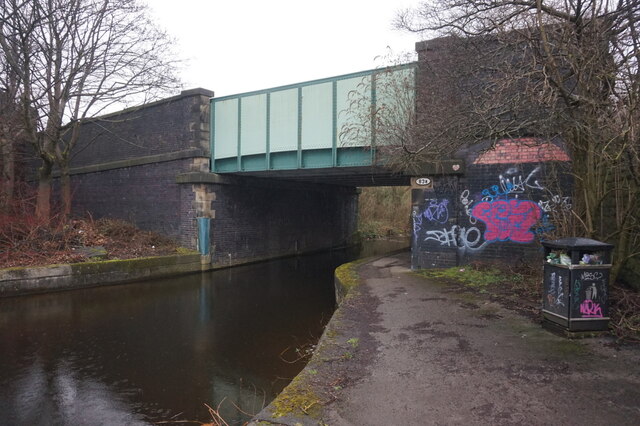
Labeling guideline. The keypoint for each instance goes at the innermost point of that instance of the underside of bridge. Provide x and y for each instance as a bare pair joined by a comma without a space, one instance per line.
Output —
359,176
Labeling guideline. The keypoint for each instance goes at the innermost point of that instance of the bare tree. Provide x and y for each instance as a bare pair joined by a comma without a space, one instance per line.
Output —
563,69
10,135
73,59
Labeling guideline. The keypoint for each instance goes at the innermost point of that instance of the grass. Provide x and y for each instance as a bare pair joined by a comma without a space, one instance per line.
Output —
520,288
470,277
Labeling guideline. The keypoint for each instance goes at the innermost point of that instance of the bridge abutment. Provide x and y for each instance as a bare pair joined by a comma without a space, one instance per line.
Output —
151,166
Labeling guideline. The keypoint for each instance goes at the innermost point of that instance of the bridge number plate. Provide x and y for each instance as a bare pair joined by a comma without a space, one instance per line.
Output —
422,182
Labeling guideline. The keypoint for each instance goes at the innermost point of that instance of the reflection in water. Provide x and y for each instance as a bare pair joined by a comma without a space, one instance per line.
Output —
159,350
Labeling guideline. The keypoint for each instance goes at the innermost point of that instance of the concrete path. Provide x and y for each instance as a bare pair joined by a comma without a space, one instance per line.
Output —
402,350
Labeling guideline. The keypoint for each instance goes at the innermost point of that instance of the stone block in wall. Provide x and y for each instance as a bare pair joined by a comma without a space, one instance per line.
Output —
200,164
204,197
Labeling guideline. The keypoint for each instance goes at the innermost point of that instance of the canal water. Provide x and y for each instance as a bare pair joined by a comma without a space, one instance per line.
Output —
158,351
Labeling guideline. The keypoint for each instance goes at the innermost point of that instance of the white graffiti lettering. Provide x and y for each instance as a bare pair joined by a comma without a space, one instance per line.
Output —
555,295
467,203
560,298
591,276
460,237
517,185
554,202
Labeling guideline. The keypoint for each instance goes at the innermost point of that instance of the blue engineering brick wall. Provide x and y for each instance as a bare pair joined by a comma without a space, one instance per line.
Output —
507,201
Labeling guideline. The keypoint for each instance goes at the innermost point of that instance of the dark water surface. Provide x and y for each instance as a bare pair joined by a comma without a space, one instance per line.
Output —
159,350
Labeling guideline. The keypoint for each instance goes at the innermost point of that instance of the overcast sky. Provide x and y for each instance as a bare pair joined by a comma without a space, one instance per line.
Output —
236,46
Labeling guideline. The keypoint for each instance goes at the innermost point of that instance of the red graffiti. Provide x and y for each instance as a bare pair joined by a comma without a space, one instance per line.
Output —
590,309
508,220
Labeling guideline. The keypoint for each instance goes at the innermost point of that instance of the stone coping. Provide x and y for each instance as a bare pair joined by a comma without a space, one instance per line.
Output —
43,279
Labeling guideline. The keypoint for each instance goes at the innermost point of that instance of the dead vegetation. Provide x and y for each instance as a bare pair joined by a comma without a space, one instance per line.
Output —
28,241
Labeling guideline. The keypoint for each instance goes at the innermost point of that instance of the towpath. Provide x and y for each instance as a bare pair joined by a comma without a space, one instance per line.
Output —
403,350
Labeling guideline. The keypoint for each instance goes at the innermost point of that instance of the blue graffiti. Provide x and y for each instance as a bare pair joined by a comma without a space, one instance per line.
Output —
437,211
545,226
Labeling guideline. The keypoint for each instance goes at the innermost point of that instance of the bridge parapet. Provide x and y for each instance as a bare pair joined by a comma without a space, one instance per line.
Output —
298,126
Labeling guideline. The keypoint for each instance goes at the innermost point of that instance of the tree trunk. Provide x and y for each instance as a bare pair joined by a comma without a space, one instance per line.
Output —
43,201
7,175
65,183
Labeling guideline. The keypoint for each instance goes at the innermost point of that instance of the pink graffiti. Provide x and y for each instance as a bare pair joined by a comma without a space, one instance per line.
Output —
508,220
590,309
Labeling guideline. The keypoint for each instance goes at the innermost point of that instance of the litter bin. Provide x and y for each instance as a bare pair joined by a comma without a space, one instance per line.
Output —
576,284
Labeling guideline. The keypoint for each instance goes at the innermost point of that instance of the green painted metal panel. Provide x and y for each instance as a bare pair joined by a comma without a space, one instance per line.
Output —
317,158
303,125
317,113
395,101
354,110
225,165
253,125
225,135
252,163
283,120
284,160
351,157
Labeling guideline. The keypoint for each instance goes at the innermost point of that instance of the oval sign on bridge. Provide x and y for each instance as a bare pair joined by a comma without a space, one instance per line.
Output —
422,182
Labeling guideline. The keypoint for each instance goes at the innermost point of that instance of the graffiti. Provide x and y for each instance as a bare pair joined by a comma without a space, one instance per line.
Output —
517,185
554,202
456,236
508,220
437,211
577,285
591,276
417,222
551,294
512,185
545,226
497,193
555,296
467,203
560,299
590,309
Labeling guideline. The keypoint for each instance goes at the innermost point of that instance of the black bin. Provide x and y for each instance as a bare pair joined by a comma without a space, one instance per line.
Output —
576,284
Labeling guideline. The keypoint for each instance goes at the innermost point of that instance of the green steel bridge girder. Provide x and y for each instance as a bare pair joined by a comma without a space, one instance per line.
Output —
299,126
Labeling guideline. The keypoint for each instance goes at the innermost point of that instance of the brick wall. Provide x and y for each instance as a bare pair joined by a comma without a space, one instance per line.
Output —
146,195
253,223
126,163
171,125
506,202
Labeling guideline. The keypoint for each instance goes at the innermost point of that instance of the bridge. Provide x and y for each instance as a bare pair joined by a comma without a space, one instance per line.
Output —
274,173
296,132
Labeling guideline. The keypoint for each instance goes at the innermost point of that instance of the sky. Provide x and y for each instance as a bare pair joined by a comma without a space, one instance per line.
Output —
237,46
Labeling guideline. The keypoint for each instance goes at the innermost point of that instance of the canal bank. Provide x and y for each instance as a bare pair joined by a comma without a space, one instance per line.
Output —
159,349
44,279
401,349
27,280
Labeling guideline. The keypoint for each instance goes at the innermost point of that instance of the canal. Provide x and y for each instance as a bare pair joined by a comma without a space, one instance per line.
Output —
158,351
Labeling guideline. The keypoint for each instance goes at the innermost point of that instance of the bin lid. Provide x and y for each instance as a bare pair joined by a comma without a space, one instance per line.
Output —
576,243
